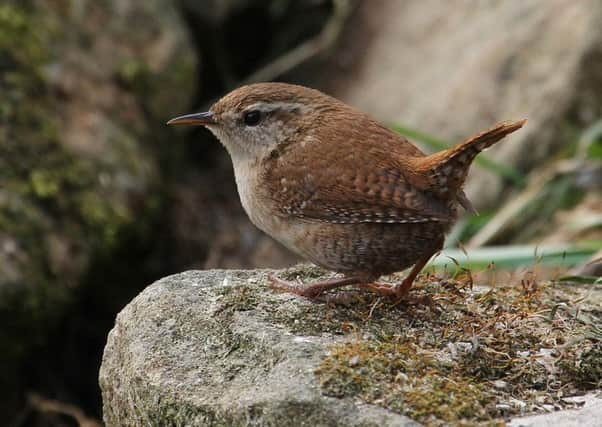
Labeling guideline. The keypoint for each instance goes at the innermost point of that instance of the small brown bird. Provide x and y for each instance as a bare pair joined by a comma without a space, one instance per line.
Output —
338,188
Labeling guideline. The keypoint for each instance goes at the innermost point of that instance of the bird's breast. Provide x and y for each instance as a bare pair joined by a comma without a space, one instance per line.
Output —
259,207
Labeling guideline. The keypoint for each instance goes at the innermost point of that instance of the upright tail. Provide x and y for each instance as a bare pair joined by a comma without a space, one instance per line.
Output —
448,169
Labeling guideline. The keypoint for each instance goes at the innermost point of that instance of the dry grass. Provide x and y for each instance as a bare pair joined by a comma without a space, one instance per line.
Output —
472,356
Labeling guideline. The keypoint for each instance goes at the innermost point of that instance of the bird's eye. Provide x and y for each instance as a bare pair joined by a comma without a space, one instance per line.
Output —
252,118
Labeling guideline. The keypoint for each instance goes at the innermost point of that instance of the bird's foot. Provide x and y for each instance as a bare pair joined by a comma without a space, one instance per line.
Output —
380,289
398,293
286,286
315,291
393,291
312,291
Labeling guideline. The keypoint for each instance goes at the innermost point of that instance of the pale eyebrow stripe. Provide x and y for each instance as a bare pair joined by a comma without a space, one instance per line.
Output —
271,106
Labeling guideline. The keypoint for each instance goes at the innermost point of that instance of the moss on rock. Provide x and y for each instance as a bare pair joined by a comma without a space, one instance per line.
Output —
472,357
77,176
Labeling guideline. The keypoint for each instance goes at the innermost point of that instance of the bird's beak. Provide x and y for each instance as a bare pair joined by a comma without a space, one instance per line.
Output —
198,119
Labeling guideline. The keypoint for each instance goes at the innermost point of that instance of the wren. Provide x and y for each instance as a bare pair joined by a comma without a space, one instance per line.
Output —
338,188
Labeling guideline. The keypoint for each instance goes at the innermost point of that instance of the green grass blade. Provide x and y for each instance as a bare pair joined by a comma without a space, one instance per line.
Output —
514,256
580,279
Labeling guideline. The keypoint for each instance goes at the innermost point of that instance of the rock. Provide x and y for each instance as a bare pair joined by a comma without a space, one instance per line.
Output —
454,69
219,348
81,96
587,416
190,350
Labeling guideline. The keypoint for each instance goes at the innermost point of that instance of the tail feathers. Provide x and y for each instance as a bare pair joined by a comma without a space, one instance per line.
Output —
448,169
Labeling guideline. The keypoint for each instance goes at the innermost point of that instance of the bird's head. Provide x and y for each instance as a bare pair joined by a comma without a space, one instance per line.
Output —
253,120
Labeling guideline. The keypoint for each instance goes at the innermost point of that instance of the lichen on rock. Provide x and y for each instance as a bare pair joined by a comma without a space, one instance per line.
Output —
221,348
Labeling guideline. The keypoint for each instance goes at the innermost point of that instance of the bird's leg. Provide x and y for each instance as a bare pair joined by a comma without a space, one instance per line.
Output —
315,289
401,289
379,288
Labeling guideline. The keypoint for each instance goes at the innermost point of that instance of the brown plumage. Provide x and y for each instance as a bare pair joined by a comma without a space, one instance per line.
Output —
337,187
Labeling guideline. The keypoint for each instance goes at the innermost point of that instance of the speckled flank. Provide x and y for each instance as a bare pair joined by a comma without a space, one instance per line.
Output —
368,248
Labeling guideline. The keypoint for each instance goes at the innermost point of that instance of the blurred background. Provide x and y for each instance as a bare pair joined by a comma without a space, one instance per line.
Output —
98,198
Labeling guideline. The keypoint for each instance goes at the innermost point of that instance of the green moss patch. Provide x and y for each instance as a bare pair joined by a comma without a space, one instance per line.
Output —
469,357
